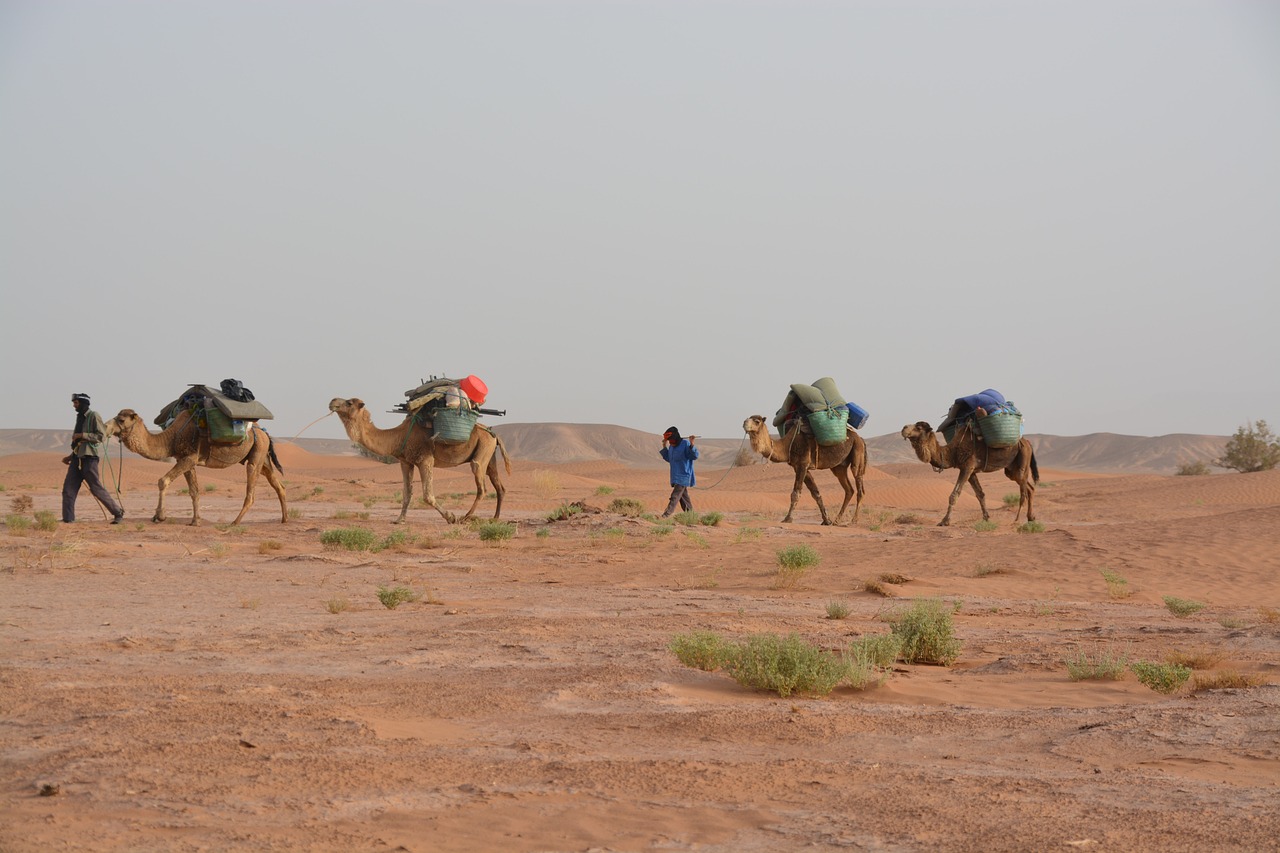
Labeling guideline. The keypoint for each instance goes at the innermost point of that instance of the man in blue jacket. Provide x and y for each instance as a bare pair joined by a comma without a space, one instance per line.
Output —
680,453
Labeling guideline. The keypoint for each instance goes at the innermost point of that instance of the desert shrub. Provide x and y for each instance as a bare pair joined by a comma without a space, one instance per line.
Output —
785,665
985,526
877,587
793,563
663,529
1117,585
545,484
393,597
702,650
1202,658
17,523
394,541
351,538
1225,680
711,519
604,490
894,578
1252,448
1099,664
1182,606
748,534
46,521
295,514
1161,677
1011,499
1031,527
336,605
211,487
1192,469
266,546
879,650
688,518
926,632
630,507
497,531
543,532
1269,615
219,549
985,570
564,512
837,610
21,504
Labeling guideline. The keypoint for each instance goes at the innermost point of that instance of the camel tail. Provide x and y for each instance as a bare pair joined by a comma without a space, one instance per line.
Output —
1035,469
275,460
506,458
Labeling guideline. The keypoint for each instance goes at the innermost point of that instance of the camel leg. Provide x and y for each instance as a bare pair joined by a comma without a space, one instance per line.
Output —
252,467
406,490
427,468
498,489
802,471
817,496
965,474
842,474
186,468
861,490
982,498
480,462
274,481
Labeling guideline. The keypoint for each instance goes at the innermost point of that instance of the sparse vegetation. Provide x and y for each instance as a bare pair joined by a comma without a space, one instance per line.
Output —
1011,499
985,526
785,665
1192,469
688,518
543,532
1161,677
793,563
711,519
1227,679
630,507
985,570
393,597
336,605
879,650
294,514
46,521
1251,449
926,632
1202,658
748,534
837,610
17,524
695,538
1182,606
1102,663
350,538
219,549
1031,527
21,504
267,546
894,578
497,531
564,512
604,490
877,587
1117,585
702,650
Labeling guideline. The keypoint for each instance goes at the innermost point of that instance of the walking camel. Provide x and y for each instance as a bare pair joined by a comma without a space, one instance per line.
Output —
412,446
803,453
972,457
186,443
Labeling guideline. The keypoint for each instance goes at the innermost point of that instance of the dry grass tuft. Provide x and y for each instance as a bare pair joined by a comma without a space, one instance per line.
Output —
1201,658
1228,679
891,577
874,586
21,504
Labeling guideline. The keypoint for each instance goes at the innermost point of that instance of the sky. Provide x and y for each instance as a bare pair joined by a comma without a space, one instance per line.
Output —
644,213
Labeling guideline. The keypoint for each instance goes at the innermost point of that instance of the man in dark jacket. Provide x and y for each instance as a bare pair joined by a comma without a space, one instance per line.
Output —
82,464
680,453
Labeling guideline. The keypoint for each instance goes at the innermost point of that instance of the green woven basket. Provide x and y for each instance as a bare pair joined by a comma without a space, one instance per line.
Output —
453,425
829,426
1003,429
225,430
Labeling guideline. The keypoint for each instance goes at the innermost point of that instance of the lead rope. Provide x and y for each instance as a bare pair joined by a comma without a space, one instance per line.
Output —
733,465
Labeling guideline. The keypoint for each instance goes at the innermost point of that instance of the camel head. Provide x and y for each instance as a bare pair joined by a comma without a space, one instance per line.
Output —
925,443
121,424
755,424
346,408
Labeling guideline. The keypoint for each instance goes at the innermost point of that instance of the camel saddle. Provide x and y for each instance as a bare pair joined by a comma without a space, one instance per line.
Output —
203,396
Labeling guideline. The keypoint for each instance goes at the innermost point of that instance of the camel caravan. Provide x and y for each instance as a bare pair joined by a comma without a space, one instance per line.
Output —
818,429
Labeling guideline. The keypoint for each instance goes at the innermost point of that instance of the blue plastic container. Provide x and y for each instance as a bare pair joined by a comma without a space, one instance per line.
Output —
857,415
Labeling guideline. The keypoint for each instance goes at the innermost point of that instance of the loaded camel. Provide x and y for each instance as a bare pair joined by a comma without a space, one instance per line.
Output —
972,457
412,446
185,442
803,453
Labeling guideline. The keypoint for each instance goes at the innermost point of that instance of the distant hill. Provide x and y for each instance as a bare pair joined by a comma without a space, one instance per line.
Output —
1103,453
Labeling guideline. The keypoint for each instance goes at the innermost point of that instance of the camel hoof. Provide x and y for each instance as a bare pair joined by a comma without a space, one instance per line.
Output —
399,520
195,522
946,522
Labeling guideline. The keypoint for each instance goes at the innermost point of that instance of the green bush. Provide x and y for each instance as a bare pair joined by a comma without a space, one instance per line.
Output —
564,512
1182,606
630,507
1011,499
689,518
393,597
1161,677
1251,449
1117,584
837,610
798,557
785,665
351,538
17,523
926,632
985,526
702,650
879,649
604,490
1031,527
711,519
497,531
46,521
1192,469
1101,664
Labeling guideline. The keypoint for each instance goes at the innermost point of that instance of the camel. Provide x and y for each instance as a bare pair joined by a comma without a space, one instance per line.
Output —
412,446
972,457
183,441
804,454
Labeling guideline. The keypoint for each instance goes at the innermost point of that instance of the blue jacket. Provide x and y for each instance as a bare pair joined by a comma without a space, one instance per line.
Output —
681,458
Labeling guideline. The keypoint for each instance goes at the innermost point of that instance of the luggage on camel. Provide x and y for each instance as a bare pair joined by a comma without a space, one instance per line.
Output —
450,408
826,413
995,420
227,419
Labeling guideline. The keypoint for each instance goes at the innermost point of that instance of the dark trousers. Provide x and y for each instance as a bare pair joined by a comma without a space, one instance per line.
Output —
84,469
680,495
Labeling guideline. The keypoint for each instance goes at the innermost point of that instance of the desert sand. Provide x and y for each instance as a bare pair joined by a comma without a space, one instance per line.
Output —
170,688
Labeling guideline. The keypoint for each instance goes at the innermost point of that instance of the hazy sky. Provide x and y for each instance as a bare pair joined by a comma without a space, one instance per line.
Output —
645,213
